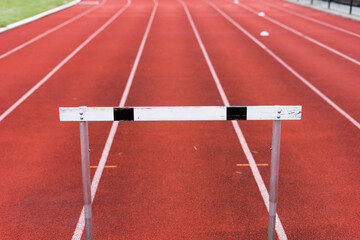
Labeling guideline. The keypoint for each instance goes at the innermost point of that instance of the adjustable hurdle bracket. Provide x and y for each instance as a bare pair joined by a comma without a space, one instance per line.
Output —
275,113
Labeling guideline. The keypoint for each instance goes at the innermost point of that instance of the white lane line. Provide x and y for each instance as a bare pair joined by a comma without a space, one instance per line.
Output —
38,16
301,78
49,31
63,62
302,35
259,181
312,19
95,182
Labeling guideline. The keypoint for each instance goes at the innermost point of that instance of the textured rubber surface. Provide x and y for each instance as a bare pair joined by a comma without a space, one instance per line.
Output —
180,180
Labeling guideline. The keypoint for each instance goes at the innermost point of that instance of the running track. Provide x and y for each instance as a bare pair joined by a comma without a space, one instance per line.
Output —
180,180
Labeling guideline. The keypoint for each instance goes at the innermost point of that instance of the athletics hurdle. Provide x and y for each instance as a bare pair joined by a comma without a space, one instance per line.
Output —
86,114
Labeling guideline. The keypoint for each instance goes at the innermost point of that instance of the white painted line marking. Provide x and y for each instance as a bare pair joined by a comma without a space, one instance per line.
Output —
314,20
260,183
96,180
302,79
48,32
303,36
38,16
62,63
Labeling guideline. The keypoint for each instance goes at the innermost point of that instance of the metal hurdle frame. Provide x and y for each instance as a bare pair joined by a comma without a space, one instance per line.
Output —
274,113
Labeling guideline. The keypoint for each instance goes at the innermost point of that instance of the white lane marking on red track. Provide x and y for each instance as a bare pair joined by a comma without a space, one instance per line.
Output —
95,182
301,78
49,31
313,19
302,35
259,181
62,63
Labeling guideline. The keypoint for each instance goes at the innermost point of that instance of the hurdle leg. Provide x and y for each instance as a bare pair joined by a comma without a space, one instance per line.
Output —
274,177
85,165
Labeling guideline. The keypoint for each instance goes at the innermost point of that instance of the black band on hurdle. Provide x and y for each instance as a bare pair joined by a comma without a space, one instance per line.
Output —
236,113
123,114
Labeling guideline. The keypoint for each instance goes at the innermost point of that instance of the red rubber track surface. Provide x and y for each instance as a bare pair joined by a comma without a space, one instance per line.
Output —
179,180
335,76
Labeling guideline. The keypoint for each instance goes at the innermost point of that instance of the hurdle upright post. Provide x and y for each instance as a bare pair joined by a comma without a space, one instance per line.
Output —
274,177
85,166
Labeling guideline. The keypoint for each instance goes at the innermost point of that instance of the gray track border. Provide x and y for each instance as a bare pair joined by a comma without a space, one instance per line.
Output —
331,11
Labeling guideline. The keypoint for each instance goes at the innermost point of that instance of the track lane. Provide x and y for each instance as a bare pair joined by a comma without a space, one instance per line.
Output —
315,170
176,179
278,228
43,178
101,165
322,71
25,71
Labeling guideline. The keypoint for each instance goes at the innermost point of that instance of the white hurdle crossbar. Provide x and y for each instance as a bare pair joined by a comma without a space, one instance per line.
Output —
86,114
